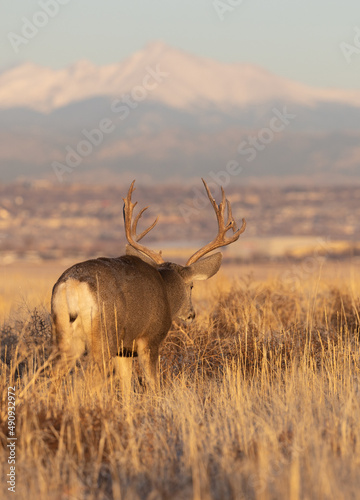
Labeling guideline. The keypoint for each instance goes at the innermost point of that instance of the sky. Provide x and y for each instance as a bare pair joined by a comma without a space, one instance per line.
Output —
299,39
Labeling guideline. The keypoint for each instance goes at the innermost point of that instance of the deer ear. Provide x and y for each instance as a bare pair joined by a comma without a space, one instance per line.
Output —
203,269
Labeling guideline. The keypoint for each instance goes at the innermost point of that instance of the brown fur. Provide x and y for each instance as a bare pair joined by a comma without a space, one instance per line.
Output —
123,306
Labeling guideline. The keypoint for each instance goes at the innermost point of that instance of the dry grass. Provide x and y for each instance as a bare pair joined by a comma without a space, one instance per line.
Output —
260,400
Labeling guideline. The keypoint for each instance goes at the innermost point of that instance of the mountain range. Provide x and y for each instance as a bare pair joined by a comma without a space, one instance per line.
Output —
167,114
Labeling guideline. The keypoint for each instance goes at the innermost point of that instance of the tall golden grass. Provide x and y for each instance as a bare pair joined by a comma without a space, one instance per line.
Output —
260,400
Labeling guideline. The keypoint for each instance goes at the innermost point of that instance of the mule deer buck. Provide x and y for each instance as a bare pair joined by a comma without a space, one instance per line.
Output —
119,308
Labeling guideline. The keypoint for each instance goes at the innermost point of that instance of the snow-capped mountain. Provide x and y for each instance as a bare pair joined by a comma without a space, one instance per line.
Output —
187,81
166,113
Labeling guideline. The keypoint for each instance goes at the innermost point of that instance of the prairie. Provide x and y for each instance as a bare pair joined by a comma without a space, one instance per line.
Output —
259,400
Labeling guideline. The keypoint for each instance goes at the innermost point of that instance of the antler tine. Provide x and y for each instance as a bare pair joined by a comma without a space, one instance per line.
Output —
219,209
220,240
231,223
210,196
243,227
130,227
136,220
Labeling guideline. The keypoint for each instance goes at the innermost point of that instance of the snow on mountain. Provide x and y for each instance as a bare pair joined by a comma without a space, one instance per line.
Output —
185,82
196,114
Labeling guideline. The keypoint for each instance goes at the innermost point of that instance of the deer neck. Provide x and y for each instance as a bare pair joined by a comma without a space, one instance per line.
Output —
173,286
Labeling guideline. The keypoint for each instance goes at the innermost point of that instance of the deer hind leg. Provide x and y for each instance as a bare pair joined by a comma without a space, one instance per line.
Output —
123,370
149,359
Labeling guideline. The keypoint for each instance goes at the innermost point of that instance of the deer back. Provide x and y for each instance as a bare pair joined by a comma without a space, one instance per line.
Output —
116,300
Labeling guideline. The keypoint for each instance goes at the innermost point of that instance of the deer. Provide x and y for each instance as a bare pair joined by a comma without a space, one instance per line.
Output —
120,308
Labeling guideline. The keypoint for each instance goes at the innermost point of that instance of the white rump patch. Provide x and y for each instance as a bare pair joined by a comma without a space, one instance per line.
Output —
75,308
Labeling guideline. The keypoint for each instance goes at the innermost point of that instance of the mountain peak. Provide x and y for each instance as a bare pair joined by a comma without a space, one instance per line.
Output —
191,82
156,47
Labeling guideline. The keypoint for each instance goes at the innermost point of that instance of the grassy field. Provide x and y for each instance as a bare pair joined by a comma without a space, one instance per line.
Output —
260,396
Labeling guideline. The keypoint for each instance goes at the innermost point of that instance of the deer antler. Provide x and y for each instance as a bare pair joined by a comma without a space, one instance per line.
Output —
221,239
130,227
